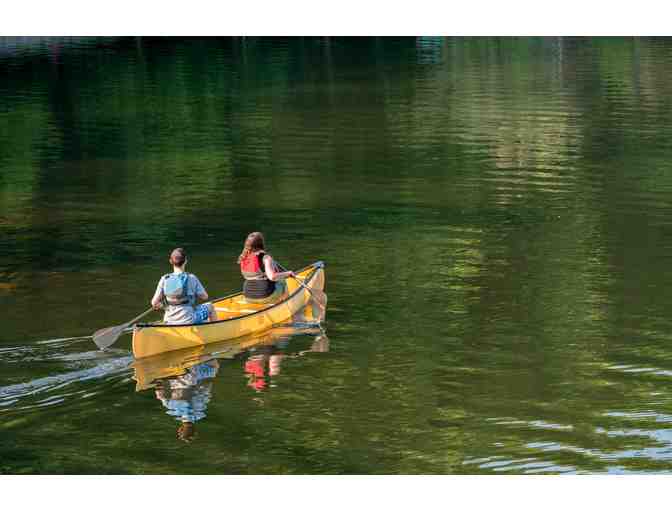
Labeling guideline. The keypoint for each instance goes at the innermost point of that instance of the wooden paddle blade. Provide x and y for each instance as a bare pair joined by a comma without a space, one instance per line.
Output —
319,296
320,299
107,336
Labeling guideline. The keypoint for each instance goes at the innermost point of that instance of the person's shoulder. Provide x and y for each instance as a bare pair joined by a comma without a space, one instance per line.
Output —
194,279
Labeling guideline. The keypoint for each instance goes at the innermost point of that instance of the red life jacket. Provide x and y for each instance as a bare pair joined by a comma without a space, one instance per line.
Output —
257,285
252,266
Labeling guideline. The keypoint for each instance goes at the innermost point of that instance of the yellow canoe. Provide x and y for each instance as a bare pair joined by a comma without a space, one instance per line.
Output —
235,318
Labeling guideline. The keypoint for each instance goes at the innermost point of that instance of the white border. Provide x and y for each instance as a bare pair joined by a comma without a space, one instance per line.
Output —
343,17
334,492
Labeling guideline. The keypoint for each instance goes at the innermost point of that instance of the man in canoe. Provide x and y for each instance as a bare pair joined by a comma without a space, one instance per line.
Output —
263,283
178,291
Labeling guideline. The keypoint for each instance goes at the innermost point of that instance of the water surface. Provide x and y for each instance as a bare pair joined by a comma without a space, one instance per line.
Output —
493,213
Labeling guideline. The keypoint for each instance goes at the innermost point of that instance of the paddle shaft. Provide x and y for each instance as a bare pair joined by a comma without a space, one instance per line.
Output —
138,317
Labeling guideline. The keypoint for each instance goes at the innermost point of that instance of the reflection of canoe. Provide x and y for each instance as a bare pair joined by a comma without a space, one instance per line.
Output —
235,318
175,363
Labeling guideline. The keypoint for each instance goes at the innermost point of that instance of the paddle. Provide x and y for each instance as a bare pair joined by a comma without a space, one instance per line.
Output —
319,296
107,336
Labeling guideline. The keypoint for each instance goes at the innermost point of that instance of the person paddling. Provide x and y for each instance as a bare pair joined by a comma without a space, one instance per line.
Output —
178,291
263,283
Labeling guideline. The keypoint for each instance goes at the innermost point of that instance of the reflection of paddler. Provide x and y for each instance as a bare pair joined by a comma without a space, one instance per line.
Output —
186,397
260,368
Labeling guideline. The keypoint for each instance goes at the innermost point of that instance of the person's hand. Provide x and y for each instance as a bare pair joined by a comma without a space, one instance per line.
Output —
291,274
157,306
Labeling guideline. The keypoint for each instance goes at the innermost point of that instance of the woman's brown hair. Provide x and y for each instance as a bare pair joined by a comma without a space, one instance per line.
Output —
253,242
178,256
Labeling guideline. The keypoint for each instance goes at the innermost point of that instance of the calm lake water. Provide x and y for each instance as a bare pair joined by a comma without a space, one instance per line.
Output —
494,215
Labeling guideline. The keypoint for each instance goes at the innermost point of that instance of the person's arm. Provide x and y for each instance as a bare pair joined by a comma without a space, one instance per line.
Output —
271,273
200,290
157,300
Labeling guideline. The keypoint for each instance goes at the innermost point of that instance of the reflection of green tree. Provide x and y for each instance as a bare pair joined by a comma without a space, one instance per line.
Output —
26,134
188,115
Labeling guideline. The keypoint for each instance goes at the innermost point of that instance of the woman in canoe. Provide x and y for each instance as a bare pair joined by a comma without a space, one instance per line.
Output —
178,291
263,283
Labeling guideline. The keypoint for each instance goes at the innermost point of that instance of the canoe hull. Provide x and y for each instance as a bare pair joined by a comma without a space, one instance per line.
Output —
149,340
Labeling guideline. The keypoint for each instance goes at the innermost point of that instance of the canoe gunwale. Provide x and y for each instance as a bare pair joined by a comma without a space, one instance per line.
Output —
315,265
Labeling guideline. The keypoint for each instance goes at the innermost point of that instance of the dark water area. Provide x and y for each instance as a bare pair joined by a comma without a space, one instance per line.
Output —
494,215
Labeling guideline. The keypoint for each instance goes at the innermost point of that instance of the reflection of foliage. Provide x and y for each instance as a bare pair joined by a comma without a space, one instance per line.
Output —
26,136
175,121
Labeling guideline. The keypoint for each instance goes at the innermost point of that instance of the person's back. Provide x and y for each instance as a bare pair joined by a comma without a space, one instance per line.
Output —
177,293
262,282
180,311
256,285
